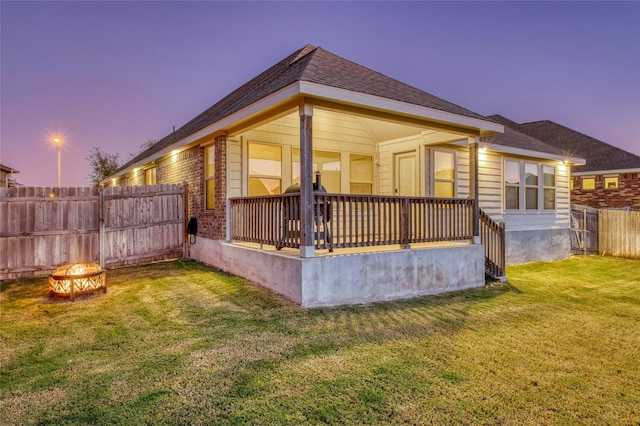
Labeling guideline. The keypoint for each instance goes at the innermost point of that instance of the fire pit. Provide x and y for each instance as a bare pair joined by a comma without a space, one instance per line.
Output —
74,279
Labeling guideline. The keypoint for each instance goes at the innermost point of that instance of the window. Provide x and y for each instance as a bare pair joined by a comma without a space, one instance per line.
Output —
360,174
588,183
524,188
444,174
610,182
150,176
265,169
549,183
531,186
512,184
325,162
210,177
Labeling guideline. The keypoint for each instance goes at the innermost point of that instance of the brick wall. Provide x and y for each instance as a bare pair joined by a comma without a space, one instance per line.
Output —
626,195
188,166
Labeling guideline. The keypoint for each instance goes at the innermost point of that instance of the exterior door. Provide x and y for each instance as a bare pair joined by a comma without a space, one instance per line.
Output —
405,174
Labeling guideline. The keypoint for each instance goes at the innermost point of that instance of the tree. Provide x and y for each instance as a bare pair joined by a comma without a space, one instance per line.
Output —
148,144
103,164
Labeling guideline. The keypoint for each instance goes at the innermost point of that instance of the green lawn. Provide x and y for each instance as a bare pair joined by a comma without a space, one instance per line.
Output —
181,343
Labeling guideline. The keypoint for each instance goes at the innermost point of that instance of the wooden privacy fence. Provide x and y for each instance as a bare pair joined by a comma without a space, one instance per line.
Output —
42,228
584,230
619,233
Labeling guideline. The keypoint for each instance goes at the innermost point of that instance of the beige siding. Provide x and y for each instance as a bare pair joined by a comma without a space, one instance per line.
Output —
490,183
387,150
462,174
331,132
344,133
491,199
234,166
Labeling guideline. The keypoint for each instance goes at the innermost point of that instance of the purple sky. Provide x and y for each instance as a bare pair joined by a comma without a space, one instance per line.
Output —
115,74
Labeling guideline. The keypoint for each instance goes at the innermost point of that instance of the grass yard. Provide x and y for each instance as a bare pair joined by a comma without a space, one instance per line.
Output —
181,343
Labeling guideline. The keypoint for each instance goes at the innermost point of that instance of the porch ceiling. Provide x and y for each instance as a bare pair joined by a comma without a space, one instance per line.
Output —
378,130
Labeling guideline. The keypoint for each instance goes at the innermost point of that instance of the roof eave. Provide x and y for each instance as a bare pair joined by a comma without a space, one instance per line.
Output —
304,88
268,101
605,172
484,127
537,154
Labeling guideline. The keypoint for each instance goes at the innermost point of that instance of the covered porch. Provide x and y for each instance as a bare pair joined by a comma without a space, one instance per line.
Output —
363,178
385,205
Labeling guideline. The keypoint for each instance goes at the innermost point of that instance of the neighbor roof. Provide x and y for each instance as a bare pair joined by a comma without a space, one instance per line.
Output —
599,155
8,169
515,139
309,64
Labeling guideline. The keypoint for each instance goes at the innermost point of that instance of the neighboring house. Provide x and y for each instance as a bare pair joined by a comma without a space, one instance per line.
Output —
6,176
609,179
402,171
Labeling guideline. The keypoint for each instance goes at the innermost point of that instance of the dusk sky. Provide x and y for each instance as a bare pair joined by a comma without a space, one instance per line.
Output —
115,74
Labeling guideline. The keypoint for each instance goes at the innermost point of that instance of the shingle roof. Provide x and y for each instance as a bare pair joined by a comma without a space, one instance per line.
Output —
311,64
8,169
517,139
599,155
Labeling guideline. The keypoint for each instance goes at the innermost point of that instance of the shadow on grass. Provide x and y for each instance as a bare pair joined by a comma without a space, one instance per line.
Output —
158,321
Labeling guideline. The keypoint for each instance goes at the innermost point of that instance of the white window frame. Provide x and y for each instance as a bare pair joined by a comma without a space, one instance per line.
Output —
511,185
432,166
523,186
207,178
371,171
549,187
151,172
283,164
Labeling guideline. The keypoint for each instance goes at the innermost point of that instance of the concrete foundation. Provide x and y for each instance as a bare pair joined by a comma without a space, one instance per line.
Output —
340,279
534,246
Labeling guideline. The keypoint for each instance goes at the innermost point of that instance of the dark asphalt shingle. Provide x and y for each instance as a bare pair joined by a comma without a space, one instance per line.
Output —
312,64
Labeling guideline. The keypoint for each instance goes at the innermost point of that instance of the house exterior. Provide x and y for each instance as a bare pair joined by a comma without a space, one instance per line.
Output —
330,183
6,173
609,179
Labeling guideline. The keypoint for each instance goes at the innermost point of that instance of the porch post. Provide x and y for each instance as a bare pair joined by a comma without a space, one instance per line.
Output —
220,214
307,243
473,186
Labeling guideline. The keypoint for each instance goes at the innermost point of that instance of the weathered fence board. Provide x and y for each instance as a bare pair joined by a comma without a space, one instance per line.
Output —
619,233
42,228
584,230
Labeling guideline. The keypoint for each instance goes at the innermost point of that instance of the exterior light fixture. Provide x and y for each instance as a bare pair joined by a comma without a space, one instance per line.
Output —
75,279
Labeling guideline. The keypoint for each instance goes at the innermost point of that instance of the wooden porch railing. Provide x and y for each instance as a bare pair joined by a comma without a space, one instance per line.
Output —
492,235
352,220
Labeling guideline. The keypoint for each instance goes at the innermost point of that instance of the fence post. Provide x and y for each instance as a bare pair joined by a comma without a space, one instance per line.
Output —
101,229
185,219
584,230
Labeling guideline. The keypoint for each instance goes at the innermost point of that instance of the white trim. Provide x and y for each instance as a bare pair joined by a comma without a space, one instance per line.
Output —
264,103
534,154
326,92
377,102
603,172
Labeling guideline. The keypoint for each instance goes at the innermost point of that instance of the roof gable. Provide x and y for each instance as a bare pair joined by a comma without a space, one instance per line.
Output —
599,155
310,64
517,139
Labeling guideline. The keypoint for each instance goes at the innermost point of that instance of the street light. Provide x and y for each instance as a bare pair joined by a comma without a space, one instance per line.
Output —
57,141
